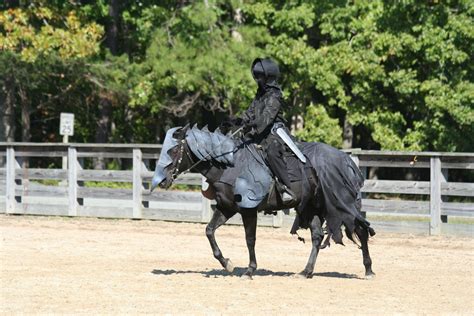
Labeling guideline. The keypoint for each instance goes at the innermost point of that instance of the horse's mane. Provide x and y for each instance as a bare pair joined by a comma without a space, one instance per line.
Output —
207,145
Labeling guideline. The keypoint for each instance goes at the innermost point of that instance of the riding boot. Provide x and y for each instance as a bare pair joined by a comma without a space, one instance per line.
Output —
287,195
278,167
276,161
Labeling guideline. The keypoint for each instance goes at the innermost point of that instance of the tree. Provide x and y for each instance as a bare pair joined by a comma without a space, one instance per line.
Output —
31,38
370,74
198,60
400,70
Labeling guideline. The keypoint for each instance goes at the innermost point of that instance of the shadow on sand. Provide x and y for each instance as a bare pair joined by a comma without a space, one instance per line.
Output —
260,272
337,275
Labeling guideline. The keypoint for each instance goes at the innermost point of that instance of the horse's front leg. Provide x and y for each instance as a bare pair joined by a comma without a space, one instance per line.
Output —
250,225
217,220
317,235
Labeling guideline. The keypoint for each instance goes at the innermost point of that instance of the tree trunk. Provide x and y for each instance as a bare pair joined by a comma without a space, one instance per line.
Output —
25,123
12,3
7,113
348,134
3,110
103,127
25,117
8,110
105,106
112,28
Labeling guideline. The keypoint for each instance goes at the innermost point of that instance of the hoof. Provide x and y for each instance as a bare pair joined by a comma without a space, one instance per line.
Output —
370,276
246,277
229,267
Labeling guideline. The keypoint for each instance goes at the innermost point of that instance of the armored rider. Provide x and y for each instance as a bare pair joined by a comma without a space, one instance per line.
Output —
264,116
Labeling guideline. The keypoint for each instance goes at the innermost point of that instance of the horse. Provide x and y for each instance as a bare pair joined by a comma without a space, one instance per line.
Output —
328,170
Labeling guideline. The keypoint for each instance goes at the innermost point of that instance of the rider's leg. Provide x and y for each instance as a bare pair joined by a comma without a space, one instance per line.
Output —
277,164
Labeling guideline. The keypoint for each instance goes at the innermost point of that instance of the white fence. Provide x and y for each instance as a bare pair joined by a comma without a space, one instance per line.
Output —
68,192
433,195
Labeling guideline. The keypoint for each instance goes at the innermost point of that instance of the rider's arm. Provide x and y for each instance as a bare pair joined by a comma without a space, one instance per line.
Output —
269,114
249,115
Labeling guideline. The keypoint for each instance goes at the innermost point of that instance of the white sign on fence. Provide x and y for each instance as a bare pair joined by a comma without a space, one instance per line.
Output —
66,124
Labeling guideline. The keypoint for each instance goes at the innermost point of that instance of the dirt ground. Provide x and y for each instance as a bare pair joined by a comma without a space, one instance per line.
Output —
62,265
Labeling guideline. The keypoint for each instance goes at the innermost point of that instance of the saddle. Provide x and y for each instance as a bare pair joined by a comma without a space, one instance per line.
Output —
252,178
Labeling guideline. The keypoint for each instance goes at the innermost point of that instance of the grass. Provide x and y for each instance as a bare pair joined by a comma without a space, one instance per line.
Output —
108,184
47,182
119,185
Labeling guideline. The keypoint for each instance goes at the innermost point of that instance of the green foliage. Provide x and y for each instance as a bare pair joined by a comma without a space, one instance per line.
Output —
106,184
323,128
192,61
400,72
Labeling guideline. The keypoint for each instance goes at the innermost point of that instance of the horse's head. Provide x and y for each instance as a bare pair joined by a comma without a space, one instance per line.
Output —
169,163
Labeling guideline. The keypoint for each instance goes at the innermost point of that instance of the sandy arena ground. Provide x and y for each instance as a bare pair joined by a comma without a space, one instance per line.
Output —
61,265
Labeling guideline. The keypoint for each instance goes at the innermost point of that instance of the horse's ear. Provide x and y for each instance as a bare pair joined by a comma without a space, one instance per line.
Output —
181,133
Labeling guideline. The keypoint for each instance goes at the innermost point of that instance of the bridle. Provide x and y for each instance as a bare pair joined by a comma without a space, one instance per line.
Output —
176,172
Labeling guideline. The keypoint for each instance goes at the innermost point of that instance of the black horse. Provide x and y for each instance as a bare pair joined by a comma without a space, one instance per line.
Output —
328,191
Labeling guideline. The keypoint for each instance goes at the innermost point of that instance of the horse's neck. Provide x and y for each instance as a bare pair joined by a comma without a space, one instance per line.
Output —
209,171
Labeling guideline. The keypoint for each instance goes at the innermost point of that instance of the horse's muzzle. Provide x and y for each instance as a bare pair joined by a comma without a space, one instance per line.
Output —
159,177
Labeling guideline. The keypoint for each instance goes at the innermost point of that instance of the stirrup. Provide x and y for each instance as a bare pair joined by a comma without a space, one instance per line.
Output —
287,195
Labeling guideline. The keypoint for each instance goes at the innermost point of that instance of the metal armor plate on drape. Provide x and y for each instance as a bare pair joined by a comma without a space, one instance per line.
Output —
206,145
254,178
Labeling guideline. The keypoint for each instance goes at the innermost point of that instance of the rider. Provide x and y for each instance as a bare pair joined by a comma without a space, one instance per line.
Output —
260,117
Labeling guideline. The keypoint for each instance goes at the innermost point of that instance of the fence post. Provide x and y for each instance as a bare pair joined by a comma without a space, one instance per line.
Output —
363,170
435,195
278,219
355,159
11,165
137,183
72,180
205,203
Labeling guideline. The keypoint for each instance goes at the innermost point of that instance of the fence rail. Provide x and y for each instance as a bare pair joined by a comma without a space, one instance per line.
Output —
29,191
437,188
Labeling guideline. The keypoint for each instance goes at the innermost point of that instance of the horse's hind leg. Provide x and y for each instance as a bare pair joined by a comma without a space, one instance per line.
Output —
250,225
217,220
363,235
316,238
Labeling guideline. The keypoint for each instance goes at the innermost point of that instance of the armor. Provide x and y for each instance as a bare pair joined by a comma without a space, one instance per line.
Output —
165,159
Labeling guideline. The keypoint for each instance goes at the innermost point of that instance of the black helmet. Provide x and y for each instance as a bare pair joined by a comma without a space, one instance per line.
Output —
266,71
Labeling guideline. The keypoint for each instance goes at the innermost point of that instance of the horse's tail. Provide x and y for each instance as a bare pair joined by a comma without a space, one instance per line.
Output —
340,182
360,222
361,225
